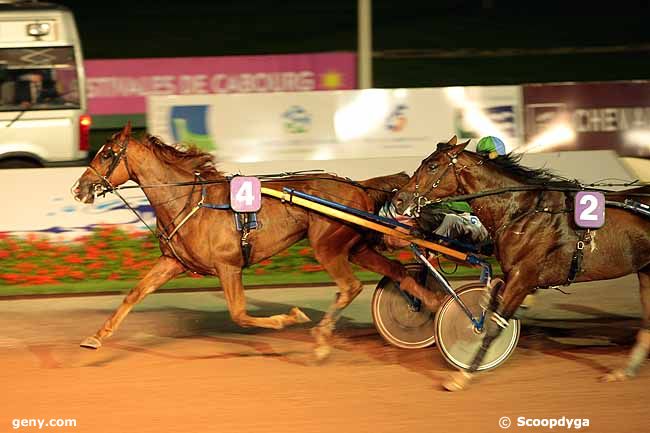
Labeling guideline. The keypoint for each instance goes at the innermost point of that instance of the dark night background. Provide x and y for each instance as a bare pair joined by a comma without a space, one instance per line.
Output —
617,30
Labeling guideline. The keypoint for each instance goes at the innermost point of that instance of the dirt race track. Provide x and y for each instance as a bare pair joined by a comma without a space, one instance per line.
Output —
179,365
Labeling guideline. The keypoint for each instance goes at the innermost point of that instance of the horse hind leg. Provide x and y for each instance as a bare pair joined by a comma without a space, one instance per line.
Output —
163,270
349,286
641,348
233,288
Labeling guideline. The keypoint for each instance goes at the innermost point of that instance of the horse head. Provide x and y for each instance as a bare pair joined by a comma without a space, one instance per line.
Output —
436,177
108,169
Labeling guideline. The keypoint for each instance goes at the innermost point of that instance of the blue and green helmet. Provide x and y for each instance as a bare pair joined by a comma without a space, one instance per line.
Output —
492,146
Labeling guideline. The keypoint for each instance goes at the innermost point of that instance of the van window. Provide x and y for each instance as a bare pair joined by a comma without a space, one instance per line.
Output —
38,79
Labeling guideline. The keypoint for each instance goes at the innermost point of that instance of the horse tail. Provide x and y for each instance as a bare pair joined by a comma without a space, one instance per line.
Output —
381,189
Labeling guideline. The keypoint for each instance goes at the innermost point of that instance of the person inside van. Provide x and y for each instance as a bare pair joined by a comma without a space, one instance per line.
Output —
26,89
48,92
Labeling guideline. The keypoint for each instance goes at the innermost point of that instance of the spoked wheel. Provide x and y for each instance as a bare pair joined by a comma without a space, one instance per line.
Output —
459,341
400,319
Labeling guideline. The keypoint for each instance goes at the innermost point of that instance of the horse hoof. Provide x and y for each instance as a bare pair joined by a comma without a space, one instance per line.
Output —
322,352
321,334
615,376
458,381
299,316
91,343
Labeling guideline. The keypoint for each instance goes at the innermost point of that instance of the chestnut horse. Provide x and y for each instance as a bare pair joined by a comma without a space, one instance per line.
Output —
208,242
535,235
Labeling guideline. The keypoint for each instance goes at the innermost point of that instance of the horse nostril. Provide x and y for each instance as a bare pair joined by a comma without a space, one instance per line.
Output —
400,201
76,190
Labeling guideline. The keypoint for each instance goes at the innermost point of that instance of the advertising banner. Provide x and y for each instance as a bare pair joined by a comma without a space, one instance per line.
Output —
373,123
50,209
588,116
119,86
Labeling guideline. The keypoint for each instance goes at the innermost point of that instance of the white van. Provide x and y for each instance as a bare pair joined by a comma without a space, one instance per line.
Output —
42,87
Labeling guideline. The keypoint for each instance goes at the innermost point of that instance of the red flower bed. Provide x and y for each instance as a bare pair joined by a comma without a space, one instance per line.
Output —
111,254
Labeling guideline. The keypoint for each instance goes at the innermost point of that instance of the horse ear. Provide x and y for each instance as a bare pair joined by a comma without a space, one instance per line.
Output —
459,148
126,132
452,141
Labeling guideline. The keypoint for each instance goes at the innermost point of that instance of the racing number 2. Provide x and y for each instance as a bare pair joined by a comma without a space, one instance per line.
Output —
245,194
589,209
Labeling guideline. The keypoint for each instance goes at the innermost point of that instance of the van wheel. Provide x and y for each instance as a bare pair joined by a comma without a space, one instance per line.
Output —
19,163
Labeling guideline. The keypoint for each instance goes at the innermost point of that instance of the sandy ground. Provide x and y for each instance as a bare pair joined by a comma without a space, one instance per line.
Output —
180,365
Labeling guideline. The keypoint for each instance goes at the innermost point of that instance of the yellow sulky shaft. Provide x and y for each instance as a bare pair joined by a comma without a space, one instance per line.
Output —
362,222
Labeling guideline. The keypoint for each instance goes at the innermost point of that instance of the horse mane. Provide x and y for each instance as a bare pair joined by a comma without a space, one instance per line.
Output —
381,189
187,157
532,176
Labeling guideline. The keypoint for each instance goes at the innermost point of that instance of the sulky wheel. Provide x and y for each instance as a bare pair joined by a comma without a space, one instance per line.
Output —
400,319
459,341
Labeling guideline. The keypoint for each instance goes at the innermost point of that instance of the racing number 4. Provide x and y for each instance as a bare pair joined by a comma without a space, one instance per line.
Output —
245,194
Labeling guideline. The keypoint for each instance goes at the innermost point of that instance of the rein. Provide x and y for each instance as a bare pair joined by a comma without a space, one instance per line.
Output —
263,177
423,201
541,187
108,187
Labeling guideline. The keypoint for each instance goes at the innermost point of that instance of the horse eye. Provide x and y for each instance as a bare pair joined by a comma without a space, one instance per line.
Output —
106,155
433,167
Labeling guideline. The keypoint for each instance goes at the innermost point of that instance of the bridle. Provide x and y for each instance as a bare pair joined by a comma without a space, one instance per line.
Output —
420,199
106,185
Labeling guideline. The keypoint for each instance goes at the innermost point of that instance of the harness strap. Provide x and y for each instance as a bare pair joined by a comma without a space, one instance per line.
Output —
204,193
246,246
224,206
184,220
584,237
159,235
245,222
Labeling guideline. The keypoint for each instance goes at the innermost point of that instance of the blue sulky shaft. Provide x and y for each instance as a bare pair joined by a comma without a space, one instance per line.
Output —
478,323
388,222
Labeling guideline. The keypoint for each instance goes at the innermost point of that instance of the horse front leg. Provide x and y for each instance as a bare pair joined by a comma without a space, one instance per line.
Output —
514,293
163,270
233,289
641,348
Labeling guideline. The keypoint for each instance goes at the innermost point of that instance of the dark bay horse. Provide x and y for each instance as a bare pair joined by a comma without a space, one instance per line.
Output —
208,242
535,235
